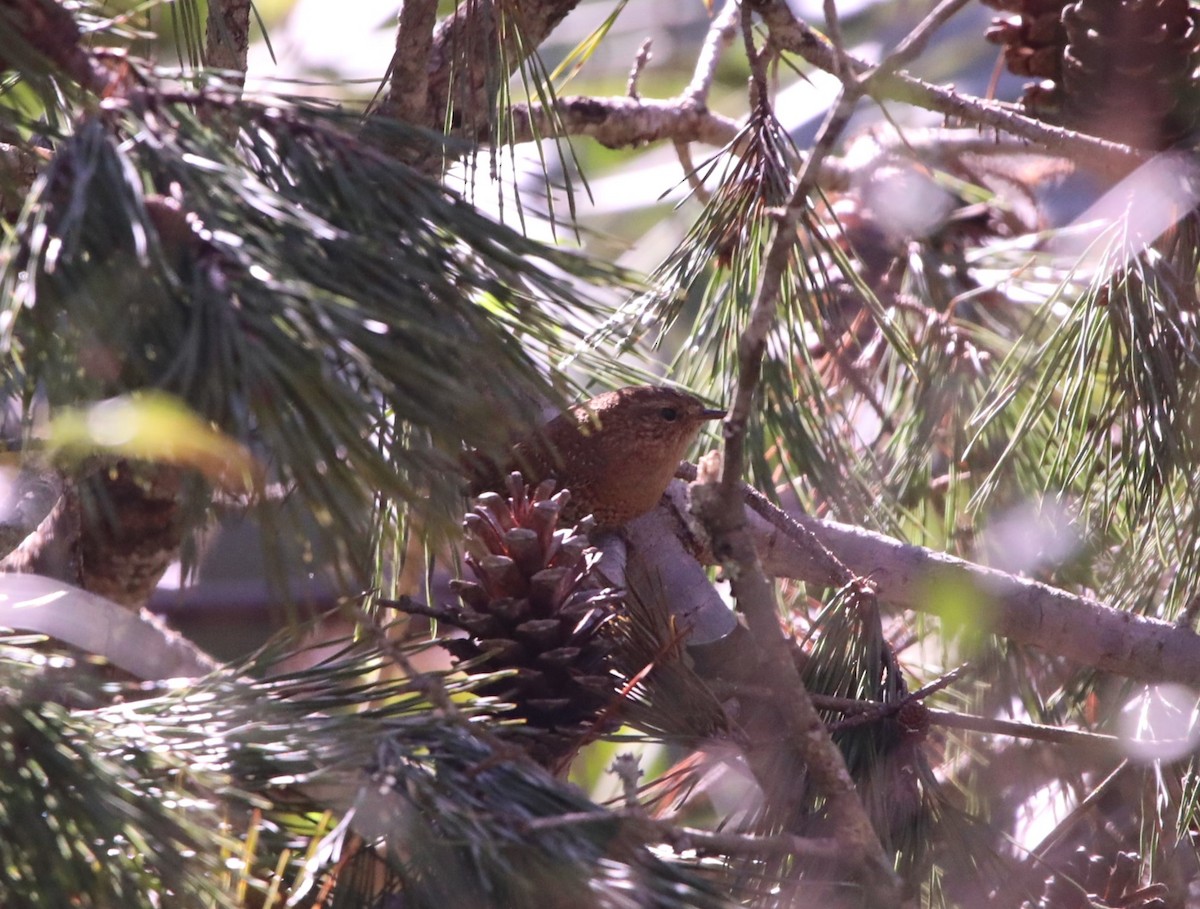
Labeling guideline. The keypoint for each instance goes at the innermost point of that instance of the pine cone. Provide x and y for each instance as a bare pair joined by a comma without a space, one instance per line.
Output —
1127,69
1119,69
535,607
1033,41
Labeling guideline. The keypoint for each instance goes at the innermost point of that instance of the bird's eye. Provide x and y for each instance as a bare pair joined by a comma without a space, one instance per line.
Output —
670,414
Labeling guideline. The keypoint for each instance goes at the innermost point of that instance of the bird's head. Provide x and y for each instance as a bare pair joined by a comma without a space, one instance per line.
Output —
651,420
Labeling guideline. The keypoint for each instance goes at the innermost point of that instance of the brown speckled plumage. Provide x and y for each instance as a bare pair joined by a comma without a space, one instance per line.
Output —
616,452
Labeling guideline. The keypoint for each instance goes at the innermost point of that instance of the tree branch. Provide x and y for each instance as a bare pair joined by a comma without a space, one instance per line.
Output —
227,36
622,122
791,544
790,34
135,642
464,65
470,35
1027,612
718,504
408,88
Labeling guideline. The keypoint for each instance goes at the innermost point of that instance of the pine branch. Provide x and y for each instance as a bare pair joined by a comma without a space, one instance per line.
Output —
305,288
428,790
76,785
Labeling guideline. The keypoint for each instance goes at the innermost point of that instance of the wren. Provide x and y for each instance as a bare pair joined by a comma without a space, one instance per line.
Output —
616,452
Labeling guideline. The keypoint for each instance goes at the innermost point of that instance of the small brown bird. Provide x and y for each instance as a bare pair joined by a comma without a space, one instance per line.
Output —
616,452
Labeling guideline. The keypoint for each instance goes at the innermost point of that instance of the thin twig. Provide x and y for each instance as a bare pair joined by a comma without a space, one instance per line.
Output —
833,26
684,152
409,606
1018,730
429,684
722,843
783,522
759,95
639,64
752,345
866,711
720,36
705,842
945,680
915,42
717,498
854,87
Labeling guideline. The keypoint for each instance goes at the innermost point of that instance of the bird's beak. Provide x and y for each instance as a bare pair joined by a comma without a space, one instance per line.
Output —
712,414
